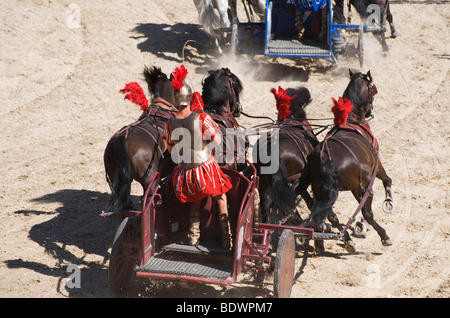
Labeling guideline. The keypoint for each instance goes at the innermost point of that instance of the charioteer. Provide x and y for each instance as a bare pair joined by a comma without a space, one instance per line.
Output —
200,175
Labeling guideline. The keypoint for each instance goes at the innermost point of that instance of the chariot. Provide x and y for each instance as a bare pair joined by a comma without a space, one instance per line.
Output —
278,35
149,243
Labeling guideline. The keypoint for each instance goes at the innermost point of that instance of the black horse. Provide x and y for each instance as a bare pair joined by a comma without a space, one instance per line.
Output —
295,141
361,7
136,150
221,97
347,160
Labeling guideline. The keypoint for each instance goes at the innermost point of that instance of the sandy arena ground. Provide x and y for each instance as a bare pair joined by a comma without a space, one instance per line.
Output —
61,66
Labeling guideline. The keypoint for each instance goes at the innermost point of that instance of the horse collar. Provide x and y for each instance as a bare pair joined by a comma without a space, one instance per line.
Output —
226,113
161,102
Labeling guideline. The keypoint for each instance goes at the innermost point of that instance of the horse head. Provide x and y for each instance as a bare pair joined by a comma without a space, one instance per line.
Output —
235,88
159,85
361,91
222,89
299,103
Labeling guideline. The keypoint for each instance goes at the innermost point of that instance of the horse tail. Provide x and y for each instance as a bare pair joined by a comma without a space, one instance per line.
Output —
208,18
279,196
328,192
121,183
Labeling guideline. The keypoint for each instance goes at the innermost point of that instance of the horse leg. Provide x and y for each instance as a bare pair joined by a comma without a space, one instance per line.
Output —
388,203
381,36
390,19
325,190
110,171
383,42
222,7
303,184
368,216
349,244
219,49
302,189
318,244
233,10
338,14
118,169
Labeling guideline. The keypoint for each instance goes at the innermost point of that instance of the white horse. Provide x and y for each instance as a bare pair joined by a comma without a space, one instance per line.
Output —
211,23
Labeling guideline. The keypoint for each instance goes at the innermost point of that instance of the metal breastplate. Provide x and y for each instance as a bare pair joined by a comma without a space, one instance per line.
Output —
190,150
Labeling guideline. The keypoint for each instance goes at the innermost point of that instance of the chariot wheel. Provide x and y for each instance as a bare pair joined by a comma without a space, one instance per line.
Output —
124,256
284,265
361,45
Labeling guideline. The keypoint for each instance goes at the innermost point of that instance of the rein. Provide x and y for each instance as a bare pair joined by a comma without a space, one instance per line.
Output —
367,192
257,117
289,121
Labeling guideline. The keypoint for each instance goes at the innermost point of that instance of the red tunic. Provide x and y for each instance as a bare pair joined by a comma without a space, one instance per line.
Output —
207,179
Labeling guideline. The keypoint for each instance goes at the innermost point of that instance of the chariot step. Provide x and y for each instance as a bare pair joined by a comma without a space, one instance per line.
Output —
305,47
198,249
175,265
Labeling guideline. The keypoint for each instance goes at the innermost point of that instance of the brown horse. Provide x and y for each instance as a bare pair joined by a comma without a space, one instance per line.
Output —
136,150
296,140
347,160
364,10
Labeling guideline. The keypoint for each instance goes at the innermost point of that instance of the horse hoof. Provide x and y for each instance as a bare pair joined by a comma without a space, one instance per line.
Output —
388,205
319,248
360,229
386,242
350,247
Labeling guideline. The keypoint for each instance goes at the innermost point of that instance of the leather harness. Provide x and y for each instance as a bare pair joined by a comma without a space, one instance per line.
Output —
160,108
302,126
363,129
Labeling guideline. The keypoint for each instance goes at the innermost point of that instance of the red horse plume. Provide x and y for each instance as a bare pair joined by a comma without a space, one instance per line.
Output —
196,102
179,75
283,102
135,94
340,110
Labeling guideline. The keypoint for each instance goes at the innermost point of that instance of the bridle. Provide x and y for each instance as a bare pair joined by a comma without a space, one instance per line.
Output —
236,107
372,91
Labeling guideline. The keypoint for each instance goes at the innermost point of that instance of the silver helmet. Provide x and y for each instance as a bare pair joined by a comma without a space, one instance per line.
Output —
182,96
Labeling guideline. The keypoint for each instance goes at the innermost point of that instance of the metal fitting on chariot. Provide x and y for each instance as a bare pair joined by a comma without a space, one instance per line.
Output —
182,96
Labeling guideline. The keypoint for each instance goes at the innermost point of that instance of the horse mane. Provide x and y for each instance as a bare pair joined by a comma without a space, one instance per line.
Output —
153,76
215,92
299,103
237,81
